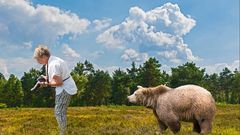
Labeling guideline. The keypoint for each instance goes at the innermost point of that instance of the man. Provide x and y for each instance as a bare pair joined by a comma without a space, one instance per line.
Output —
58,76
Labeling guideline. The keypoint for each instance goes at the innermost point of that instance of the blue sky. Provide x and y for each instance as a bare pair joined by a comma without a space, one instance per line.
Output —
112,34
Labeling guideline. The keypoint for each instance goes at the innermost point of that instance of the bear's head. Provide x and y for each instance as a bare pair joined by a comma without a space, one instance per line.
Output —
147,96
137,95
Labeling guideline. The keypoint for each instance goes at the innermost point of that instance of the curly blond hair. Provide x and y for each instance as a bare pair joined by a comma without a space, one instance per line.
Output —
41,51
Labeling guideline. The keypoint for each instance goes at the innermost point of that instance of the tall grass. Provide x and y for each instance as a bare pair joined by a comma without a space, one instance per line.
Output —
106,120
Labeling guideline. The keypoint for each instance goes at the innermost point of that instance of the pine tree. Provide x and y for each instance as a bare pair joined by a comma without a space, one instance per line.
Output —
18,93
120,87
150,74
81,83
211,83
226,78
187,73
13,93
235,94
98,91
133,73
28,81
2,84
85,68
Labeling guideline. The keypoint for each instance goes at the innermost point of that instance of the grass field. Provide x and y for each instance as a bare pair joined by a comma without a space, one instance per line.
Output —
105,120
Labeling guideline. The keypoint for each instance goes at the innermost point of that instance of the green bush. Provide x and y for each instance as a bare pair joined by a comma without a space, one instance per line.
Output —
3,105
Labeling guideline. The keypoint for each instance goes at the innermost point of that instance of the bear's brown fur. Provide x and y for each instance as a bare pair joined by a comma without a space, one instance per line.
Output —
189,103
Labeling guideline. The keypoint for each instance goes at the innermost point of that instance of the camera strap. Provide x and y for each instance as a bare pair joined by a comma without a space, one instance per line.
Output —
47,72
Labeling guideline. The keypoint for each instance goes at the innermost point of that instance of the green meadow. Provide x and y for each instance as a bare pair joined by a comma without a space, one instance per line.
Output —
106,120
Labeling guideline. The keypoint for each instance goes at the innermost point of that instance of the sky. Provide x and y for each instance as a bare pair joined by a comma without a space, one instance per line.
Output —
112,34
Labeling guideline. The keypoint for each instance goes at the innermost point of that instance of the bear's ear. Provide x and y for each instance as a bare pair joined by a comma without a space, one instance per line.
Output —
139,87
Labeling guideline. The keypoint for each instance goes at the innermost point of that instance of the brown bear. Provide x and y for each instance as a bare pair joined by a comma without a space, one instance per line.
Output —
188,103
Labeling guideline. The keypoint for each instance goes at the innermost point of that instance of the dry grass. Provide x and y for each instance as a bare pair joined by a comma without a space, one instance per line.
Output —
105,120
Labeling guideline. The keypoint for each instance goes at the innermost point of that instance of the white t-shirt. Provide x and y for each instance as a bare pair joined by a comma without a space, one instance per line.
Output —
57,66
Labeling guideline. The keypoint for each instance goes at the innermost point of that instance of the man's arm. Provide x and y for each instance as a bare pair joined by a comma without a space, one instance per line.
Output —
56,81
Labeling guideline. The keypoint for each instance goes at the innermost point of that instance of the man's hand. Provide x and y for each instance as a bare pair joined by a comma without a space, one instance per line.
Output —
56,81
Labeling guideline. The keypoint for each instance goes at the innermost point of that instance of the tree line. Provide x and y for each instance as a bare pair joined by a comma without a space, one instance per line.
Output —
98,87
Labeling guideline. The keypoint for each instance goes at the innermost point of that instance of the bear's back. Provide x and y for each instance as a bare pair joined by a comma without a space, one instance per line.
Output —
190,99
188,91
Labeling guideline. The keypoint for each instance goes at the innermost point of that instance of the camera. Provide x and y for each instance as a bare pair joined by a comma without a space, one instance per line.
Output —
39,79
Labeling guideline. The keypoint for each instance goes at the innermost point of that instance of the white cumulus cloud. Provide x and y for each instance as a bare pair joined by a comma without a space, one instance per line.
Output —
67,51
218,67
109,39
102,24
3,68
17,65
96,54
133,55
168,54
159,30
21,22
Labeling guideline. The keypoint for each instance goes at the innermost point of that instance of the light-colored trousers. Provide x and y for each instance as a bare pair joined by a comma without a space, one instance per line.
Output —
62,101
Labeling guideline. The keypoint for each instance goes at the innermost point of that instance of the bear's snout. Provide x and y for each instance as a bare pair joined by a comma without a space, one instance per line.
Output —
132,98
